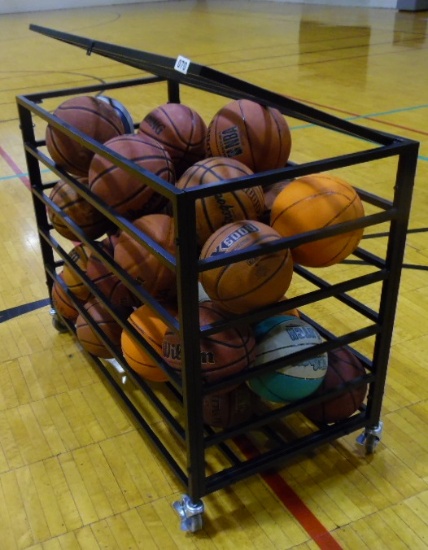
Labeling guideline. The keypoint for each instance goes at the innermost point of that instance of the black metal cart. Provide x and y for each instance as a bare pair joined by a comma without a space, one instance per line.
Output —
214,458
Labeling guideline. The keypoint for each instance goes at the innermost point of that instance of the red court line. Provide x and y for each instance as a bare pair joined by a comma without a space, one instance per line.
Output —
9,160
294,504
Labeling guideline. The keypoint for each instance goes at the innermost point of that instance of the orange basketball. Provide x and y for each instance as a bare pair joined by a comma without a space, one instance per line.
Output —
79,210
223,353
79,254
244,285
127,193
256,135
180,129
219,209
92,116
87,335
141,263
315,202
152,328
62,303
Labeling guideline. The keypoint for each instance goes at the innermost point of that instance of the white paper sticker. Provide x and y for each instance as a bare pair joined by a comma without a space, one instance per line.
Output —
182,64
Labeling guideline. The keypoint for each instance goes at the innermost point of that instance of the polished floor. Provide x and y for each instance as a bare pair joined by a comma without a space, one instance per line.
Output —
74,470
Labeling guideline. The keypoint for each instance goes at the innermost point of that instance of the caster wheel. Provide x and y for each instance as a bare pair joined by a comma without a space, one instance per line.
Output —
57,322
190,514
370,438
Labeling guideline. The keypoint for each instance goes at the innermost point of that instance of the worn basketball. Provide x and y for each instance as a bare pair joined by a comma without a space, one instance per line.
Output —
90,115
315,202
254,134
106,281
126,192
152,328
180,129
223,353
141,263
244,285
224,410
343,366
80,211
280,336
62,303
79,254
87,335
221,208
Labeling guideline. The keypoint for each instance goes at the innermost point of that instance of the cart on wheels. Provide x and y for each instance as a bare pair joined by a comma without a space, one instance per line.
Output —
213,457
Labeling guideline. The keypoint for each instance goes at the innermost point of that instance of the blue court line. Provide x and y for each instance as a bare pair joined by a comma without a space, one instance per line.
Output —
12,312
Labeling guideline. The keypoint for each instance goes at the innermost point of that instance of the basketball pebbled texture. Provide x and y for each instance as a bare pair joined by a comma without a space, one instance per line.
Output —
254,134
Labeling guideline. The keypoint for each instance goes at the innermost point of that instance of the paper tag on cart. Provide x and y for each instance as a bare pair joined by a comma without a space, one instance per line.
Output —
182,64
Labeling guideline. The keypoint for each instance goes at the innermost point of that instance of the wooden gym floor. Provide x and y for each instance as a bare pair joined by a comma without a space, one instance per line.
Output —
74,471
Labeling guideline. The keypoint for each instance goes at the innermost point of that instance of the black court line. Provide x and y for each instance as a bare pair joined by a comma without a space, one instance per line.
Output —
375,235
20,310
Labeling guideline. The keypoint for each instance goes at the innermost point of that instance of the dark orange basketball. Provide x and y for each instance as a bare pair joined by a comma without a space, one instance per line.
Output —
127,193
219,209
256,135
141,263
79,210
90,115
152,328
108,282
88,337
244,285
79,254
222,354
180,129
62,303
315,202
226,409
343,366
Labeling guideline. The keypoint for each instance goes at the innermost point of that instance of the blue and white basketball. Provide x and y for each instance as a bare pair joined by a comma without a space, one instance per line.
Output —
122,111
280,336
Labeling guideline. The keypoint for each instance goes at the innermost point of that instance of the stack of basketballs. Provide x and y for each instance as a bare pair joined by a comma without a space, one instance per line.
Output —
174,143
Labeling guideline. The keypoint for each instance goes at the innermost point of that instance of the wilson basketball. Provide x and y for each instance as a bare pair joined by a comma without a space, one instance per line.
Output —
343,366
87,335
254,134
315,202
224,410
79,255
108,282
221,208
223,353
90,115
244,285
180,129
124,191
62,303
80,211
152,328
280,336
141,263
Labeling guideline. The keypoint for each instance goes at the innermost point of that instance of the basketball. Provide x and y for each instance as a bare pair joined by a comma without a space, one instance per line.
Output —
87,335
152,328
223,353
141,263
127,193
343,366
277,337
62,303
224,410
180,129
244,285
106,281
90,115
122,111
80,211
219,209
256,135
79,254
315,202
